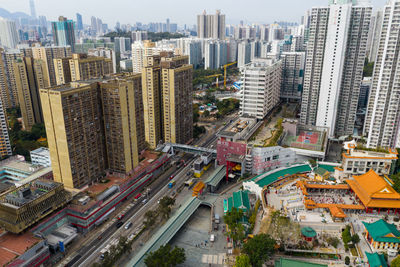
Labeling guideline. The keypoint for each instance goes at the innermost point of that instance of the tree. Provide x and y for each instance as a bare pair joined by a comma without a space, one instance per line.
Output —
259,249
346,236
165,256
333,241
150,218
242,261
235,228
395,262
355,239
347,260
206,113
164,206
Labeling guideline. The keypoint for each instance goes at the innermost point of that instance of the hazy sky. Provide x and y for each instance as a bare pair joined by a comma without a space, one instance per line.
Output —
180,11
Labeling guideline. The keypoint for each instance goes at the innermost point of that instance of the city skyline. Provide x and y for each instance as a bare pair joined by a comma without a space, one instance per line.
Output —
264,12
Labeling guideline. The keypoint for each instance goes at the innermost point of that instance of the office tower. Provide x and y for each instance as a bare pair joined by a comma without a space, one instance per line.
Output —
8,33
47,54
27,91
336,51
33,9
151,86
63,32
92,127
261,87
211,26
43,21
168,26
79,23
375,32
84,67
139,36
244,53
106,53
99,25
139,51
167,99
5,144
93,25
382,121
292,75
177,99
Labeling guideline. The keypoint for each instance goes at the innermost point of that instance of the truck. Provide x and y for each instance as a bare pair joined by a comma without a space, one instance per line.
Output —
171,184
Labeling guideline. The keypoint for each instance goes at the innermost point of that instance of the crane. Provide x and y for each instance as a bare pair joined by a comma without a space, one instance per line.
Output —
215,75
225,67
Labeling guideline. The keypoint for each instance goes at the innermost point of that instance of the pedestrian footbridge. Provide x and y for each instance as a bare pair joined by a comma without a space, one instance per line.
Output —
168,230
187,148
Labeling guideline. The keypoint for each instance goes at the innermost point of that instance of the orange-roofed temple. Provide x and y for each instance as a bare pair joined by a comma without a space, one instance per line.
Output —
375,192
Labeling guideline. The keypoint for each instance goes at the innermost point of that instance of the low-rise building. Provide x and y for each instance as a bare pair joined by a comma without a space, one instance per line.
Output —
41,157
29,203
356,161
382,235
22,250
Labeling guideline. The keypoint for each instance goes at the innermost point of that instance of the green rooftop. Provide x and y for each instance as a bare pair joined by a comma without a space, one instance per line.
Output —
282,262
380,230
308,232
271,176
321,171
329,168
376,260
240,201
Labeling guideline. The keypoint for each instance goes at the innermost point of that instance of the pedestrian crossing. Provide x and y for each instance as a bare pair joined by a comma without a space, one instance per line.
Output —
213,258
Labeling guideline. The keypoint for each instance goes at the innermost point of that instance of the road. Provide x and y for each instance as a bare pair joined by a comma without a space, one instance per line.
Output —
89,252
135,213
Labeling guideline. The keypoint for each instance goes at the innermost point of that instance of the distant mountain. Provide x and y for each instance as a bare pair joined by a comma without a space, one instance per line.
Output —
16,15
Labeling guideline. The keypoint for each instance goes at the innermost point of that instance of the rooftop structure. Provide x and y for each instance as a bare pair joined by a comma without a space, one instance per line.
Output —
27,204
304,139
240,129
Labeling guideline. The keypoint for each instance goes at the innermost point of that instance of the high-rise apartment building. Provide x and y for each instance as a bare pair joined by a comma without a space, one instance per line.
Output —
140,50
151,86
8,33
64,32
177,99
375,35
27,91
83,67
62,70
9,92
382,121
106,53
167,99
215,54
5,144
336,51
211,26
92,127
139,36
244,53
292,75
47,54
261,87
